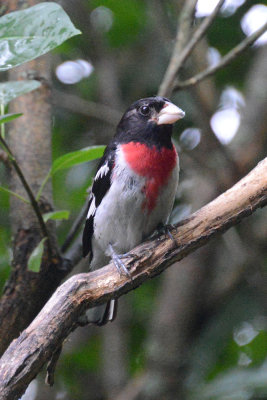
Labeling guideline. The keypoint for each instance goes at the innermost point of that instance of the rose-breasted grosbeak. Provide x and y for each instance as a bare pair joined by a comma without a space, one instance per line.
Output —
134,187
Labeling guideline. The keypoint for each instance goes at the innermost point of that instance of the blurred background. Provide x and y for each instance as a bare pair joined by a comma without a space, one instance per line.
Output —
198,331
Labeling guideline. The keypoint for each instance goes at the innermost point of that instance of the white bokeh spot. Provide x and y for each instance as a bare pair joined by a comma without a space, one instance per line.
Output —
232,98
213,56
102,18
245,334
205,7
70,72
225,124
254,19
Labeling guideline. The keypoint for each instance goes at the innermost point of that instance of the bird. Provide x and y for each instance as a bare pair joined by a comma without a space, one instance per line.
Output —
134,188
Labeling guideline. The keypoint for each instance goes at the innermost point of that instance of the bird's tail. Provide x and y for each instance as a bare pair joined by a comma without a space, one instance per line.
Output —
103,314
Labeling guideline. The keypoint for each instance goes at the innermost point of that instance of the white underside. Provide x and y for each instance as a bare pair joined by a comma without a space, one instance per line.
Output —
120,220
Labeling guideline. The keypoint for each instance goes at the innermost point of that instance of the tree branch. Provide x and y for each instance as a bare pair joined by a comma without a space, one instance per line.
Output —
4,157
79,221
179,55
184,29
30,194
29,137
85,107
229,57
35,346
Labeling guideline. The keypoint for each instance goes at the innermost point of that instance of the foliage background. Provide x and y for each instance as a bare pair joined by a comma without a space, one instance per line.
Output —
199,331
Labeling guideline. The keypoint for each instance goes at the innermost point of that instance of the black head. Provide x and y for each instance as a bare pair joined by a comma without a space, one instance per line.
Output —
149,121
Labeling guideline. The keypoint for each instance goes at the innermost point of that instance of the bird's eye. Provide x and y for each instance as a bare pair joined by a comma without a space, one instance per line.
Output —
144,110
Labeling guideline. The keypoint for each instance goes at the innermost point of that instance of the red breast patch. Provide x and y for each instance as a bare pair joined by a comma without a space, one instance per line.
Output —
153,164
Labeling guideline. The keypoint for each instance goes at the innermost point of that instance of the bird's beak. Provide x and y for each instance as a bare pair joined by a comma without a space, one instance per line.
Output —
169,114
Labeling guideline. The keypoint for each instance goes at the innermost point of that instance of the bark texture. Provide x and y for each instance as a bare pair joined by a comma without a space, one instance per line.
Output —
30,141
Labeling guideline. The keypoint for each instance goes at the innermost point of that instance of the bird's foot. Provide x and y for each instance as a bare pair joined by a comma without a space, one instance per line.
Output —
117,259
126,255
165,230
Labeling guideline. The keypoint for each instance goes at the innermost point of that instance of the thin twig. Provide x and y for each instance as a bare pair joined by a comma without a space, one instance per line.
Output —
4,157
229,57
198,34
29,192
178,59
51,367
88,108
183,32
74,253
3,189
75,227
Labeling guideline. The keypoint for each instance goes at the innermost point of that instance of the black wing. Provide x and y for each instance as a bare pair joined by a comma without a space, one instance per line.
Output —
100,187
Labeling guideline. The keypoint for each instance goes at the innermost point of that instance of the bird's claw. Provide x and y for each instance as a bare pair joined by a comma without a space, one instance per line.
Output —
165,230
126,255
119,264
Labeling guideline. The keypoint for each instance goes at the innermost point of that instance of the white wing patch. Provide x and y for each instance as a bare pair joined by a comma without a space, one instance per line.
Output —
92,208
104,170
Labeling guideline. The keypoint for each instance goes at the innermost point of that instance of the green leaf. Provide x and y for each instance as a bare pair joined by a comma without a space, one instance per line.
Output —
77,157
35,259
29,33
62,214
9,117
11,90
70,160
3,189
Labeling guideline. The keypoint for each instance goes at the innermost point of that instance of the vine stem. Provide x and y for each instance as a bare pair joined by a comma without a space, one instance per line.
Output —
43,185
30,194
2,112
